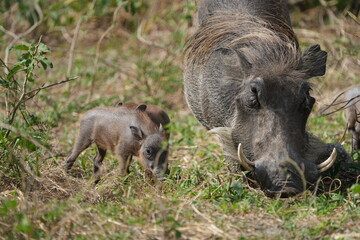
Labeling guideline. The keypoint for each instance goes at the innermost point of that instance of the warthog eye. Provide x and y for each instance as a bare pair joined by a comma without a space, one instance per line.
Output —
148,152
253,99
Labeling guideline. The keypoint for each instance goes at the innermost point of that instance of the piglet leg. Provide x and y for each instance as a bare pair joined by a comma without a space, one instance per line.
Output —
98,160
84,141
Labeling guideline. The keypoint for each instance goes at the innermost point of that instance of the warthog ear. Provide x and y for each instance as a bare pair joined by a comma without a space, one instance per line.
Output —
234,61
136,132
313,61
118,104
161,129
141,108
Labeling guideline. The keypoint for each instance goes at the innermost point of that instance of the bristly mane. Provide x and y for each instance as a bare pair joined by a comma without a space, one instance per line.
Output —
269,44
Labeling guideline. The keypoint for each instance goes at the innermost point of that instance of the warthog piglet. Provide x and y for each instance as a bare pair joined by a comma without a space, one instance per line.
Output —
125,132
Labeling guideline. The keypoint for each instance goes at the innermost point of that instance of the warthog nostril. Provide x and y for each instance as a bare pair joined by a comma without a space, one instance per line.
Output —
282,165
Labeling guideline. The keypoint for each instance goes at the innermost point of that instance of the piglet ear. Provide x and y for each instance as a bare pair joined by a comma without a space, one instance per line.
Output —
141,108
136,132
313,61
118,104
161,129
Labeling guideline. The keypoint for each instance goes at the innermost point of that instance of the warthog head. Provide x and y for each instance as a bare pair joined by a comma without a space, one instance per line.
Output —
153,154
268,130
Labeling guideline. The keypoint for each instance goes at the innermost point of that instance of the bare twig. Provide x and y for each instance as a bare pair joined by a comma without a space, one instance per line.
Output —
356,19
65,33
72,46
346,104
140,29
48,86
97,55
143,40
75,37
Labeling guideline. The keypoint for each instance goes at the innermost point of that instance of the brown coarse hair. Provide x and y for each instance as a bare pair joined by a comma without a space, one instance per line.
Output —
268,43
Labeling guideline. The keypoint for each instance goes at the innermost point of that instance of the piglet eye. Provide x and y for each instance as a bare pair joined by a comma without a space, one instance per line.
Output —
148,152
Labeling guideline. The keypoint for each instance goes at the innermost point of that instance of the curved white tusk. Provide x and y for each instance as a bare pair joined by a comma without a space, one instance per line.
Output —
246,163
328,163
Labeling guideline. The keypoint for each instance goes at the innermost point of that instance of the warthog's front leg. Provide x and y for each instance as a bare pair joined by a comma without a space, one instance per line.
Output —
98,160
83,142
124,164
124,160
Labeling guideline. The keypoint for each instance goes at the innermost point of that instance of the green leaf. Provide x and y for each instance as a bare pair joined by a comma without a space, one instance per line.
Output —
14,70
45,62
29,63
24,226
355,188
4,83
42,48
25,56
20,47
8,206
30,78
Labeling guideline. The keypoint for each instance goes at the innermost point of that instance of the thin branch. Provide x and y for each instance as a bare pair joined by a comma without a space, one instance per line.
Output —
140,28
75,37
65,34
356,19
346,105
2,62
97,55
51,85
72,47
145,41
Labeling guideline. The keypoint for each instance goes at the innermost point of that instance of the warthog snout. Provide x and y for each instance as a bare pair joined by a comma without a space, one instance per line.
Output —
286,177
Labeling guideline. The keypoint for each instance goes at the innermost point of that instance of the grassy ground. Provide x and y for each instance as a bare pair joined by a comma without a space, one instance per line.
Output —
140,60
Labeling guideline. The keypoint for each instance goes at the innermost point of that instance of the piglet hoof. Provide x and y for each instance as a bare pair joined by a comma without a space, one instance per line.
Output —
96,181
160,179
149,174
75,172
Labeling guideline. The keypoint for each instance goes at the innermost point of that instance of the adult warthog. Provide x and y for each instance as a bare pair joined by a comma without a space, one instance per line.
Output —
247,80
